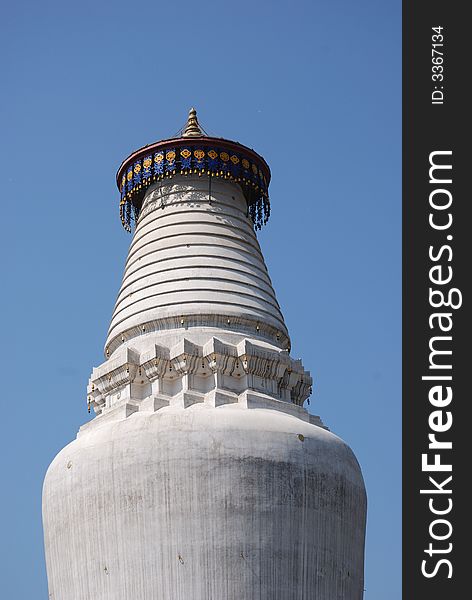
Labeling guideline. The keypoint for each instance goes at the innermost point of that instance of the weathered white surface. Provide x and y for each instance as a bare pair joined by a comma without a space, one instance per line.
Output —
205,504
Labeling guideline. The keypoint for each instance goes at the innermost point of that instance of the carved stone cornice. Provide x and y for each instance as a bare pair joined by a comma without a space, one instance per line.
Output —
198,372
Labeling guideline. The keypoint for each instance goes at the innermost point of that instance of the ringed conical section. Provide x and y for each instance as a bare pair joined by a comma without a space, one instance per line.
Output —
195,261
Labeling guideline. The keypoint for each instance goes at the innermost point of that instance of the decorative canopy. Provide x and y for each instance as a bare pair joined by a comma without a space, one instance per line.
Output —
194,152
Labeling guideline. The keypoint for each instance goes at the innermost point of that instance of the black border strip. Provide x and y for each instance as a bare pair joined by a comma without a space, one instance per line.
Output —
441,128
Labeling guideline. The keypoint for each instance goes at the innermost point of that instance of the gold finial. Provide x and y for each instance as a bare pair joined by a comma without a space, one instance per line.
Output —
192,128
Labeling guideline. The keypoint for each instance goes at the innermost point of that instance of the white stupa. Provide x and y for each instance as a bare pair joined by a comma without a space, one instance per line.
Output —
202,476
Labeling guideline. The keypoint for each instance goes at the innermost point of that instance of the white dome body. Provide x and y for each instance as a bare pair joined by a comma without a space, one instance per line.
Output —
201,477
205,504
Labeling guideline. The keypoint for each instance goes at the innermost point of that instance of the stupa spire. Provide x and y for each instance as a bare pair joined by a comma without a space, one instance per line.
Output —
202,475
192,128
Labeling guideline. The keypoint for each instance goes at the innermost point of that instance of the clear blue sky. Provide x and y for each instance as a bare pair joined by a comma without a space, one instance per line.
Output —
314,87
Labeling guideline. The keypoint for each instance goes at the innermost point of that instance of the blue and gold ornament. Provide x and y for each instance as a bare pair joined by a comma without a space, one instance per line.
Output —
137,174
129,179
170,161
206,156
224,163
199,160
212,160
147,168
159,164
235,166
185,160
